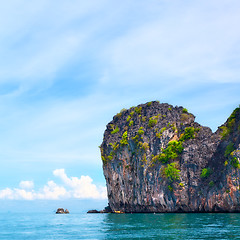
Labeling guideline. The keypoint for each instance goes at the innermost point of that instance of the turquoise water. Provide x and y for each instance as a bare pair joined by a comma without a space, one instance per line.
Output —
119,226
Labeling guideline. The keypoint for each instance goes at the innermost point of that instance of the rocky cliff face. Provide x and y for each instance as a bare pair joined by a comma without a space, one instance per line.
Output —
156,158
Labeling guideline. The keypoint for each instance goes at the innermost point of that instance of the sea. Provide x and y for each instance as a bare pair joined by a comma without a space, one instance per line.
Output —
34,226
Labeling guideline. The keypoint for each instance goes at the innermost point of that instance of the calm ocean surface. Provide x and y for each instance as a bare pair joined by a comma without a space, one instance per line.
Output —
119,226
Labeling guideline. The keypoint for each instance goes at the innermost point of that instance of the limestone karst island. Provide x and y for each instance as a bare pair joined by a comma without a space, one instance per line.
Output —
156,158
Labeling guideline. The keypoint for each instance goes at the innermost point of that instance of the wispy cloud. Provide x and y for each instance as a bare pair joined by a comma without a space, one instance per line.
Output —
40,39
73,187
200,43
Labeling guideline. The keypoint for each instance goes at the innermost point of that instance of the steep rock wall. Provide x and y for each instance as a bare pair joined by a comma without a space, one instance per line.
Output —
156,158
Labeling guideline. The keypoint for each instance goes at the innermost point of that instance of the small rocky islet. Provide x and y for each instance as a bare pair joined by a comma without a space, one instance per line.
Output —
62,211
156,158
105,210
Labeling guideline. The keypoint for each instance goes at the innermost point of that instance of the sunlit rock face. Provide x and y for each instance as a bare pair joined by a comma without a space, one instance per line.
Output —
156,158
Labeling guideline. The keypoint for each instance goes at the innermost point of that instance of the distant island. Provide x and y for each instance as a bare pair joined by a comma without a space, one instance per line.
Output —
156,158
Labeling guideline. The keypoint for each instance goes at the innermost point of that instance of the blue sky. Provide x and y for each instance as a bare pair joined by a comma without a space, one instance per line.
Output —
67,67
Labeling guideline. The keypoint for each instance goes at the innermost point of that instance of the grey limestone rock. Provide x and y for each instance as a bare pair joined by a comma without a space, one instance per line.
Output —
156,158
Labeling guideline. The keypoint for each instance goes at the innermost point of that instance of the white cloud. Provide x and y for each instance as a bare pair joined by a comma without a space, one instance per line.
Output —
7,193
22,194
52,191
26,184
80,188
16,194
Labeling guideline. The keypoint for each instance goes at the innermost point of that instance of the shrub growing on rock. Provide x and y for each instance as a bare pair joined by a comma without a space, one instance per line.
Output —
140,131
145,146
171,172
130,123
138,110
152,121
229,149
211,184
124,140
115,130
224,132
189,133
172,151
149,104
205,172
234,162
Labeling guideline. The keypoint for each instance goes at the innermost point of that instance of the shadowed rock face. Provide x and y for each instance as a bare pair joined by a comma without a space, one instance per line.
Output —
156,158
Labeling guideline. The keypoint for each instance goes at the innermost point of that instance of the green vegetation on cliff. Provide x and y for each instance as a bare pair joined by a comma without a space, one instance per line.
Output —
171,172
124,140
172,151
114,129
205,172
228,128
138,110
229,154
152,121
229,149
114,146
140,131
189,133
159,134
130,123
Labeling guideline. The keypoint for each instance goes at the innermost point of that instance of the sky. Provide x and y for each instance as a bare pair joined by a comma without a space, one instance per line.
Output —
67,67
